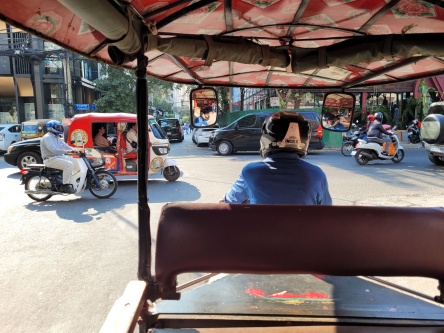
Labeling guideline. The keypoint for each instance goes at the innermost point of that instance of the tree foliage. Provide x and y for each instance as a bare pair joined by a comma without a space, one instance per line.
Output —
289,98
117,88
224,102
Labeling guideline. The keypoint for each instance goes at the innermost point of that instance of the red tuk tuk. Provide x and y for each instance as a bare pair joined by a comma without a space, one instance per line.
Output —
119,158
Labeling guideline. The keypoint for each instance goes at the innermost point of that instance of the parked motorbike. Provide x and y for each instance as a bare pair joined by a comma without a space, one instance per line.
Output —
413,133
366,151
41,182
351,141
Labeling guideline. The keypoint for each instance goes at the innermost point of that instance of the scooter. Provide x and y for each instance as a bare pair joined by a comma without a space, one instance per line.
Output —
371,149
351,141
41,182
413,133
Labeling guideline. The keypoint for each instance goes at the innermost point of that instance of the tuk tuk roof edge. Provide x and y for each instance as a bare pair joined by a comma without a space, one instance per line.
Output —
106,117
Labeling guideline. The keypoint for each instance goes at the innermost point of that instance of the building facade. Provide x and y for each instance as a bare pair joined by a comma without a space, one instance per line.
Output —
38,79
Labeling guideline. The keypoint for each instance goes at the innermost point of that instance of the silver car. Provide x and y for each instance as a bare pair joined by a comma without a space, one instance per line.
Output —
9,133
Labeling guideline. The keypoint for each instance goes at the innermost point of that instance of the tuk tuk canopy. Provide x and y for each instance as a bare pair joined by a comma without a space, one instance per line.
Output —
306,44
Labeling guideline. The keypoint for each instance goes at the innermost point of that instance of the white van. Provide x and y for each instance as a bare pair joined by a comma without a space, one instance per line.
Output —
432,132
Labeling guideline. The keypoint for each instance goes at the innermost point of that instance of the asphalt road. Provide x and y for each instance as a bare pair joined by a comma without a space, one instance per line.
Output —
65,261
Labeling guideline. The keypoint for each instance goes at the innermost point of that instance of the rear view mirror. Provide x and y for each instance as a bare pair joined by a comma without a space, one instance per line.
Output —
203,107
337,111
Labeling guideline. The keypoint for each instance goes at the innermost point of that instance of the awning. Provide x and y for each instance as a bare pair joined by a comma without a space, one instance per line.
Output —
24,86
7,86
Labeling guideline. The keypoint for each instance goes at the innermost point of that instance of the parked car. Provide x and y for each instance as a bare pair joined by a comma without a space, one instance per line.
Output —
244,133
22,153
172,128
201,136
9,133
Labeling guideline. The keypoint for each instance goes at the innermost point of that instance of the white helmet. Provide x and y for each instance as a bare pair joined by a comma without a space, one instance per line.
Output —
285,131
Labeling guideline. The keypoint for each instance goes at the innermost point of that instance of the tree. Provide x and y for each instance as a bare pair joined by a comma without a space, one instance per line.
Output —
290,98
117,89
242,98
159,92
224,102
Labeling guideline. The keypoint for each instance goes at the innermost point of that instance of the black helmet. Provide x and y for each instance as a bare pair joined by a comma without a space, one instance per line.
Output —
379,116
285,131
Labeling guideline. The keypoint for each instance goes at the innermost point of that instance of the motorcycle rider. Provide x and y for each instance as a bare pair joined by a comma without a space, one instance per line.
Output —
53,150
282,177
370,119
413,131
378,133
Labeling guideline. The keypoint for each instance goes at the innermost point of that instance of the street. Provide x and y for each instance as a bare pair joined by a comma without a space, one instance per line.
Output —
65,261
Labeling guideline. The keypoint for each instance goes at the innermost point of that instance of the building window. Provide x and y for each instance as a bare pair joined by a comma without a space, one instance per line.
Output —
53,93
90,70
53,63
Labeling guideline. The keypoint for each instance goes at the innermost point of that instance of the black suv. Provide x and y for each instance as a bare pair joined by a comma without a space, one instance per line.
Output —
244,133
172,128
22,153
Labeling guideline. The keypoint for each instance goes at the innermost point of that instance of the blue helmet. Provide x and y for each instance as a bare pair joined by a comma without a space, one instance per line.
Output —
55,127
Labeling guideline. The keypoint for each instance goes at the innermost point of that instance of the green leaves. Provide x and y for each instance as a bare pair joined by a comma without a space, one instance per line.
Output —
117,88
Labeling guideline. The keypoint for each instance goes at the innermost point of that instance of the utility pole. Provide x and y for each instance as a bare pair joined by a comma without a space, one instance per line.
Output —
68,85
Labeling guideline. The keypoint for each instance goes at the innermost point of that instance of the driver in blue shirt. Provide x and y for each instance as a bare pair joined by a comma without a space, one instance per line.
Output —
282,177
202,120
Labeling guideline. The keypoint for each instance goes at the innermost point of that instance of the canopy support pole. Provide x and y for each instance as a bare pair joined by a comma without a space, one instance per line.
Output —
144,271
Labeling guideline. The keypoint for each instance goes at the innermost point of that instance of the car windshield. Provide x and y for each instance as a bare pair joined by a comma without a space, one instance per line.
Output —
30,128
158,132
169,122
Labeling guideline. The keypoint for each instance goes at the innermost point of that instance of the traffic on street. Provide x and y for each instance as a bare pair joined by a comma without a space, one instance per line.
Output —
71,249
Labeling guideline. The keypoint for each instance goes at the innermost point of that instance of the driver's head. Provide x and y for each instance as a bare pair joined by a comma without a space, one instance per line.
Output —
205,112
285,131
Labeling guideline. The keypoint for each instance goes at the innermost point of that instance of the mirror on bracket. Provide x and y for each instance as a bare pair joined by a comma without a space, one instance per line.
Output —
337,111
203,107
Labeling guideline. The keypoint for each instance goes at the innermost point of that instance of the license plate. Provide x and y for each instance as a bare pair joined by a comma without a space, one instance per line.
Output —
168,133
353,152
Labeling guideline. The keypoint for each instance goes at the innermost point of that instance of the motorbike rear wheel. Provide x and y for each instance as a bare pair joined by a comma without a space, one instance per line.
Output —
36,183
171,173
399,156
347,148
360,158
107,185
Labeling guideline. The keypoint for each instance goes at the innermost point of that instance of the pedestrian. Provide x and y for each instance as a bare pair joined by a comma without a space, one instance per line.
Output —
395,114
282,177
